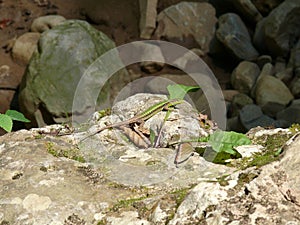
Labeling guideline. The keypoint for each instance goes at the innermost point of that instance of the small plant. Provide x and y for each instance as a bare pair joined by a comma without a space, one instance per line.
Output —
6,120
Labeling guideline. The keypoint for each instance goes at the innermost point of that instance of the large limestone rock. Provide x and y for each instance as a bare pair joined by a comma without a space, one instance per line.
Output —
233,34
44,180
64,53
268,195
188,22
278,32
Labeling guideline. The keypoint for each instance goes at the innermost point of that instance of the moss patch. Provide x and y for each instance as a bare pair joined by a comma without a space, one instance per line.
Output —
70,153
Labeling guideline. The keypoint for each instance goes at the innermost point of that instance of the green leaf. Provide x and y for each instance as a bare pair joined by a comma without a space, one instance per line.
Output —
6,122
15,115
178,91
225,141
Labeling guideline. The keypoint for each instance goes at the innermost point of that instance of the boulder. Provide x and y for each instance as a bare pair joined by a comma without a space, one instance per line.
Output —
190,23
233,34
248,10
252,197
294,61
252,116
24,47
262,60
147,17
270,89
107,180
266,6
64,53
244,76
146,51
295,87
238,102
44,23
277,33
291,113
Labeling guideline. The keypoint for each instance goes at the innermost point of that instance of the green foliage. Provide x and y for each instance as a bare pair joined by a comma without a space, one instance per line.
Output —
224,141
222,146
6,120
178,91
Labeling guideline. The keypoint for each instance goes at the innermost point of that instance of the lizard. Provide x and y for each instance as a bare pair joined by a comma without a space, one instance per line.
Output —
143,116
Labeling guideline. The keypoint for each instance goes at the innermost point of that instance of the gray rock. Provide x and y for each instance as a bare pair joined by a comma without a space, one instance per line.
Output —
106,190
294,61
248,10
234,35
280,65
270,89
190,23
252,116
234,124
229,94
114,170
44,23
244,76
238,102
286,76
272,108
148,50
64,53
254,201
24,47
266,6
147,17
295,87
277,33
262,60
291,113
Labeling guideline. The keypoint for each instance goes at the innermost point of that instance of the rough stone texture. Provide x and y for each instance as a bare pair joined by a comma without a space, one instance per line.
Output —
262,198
233,34
42,183
191,23
24,47
62,189
270,89
147,17
64,53
44,23
279,31
244,76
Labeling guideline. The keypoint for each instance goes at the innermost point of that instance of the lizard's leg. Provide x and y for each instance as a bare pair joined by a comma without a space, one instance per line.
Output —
142,136
135,137
177,156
